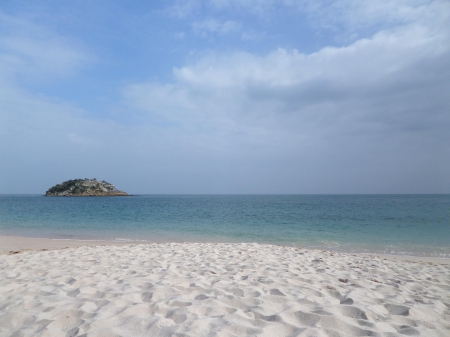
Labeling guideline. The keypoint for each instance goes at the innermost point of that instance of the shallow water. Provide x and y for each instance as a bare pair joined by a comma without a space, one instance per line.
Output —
395,224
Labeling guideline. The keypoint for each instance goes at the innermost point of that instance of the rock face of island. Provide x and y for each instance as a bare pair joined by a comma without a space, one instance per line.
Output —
84,188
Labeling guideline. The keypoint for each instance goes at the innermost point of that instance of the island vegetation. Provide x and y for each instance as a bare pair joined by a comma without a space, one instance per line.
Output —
84,188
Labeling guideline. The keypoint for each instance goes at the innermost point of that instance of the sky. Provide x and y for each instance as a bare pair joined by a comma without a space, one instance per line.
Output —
226,96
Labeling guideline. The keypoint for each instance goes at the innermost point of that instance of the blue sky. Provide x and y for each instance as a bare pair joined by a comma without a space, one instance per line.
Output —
226,96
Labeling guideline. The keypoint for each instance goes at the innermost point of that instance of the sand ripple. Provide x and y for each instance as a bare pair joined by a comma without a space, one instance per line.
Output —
199,289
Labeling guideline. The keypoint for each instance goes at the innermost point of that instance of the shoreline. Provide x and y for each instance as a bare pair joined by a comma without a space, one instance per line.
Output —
16,244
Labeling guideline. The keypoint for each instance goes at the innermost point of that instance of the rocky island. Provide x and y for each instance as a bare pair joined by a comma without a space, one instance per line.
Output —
84,188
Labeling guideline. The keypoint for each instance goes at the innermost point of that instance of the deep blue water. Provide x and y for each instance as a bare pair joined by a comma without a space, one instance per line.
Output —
400,224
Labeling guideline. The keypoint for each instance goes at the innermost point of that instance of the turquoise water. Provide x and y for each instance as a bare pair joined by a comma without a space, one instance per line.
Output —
399,224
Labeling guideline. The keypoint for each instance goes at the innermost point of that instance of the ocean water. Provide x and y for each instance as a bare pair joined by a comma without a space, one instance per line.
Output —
395,224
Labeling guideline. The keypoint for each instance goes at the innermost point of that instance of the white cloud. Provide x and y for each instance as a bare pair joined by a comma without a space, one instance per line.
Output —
381,99
290,77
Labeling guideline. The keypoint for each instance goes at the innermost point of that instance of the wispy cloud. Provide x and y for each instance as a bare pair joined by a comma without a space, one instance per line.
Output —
215,26
32,53
185,8
253,35
350,20
349,16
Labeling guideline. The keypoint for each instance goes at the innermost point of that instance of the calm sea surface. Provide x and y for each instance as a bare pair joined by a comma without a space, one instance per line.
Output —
399,224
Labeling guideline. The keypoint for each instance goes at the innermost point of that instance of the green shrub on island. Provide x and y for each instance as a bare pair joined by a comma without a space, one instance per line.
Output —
84,187
67,185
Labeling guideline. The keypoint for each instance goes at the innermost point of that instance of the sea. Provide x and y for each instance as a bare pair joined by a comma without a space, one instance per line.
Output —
416,225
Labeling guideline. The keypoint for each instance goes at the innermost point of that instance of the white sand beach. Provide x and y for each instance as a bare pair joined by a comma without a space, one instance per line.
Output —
217,289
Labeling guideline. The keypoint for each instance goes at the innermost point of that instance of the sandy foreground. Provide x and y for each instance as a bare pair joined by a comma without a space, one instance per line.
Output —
218,289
